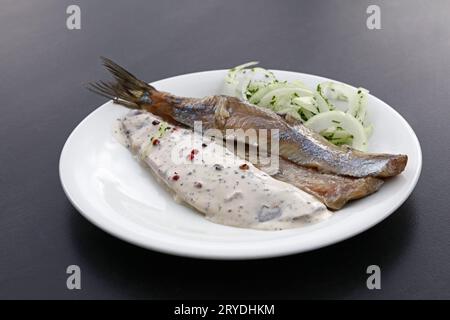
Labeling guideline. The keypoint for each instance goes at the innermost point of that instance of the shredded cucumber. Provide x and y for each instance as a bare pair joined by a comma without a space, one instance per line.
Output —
335,110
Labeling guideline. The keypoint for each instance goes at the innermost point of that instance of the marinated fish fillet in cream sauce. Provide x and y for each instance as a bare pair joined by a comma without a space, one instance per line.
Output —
210,178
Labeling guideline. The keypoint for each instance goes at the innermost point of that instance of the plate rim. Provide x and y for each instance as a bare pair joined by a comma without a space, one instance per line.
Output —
233,255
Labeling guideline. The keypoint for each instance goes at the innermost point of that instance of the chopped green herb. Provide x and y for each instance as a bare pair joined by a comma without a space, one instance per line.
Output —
273,101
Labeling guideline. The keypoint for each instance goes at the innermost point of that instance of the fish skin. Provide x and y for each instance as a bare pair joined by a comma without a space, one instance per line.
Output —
296,143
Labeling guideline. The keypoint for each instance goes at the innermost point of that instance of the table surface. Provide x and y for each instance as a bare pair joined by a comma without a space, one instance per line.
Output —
44,66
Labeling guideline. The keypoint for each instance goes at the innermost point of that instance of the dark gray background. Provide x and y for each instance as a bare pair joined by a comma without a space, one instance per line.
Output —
42,70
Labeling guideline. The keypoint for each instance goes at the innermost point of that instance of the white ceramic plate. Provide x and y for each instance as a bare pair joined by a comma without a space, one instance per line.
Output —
112,190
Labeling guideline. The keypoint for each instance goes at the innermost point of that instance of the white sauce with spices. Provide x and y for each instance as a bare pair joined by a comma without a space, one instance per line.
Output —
208,177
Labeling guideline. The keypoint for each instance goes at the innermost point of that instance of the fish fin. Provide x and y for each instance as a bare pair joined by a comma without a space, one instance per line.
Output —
126,90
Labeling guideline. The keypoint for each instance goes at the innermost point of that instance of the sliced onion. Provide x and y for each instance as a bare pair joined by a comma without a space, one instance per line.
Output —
257,97
321,103
357,105
350,124
232,73
243,82
319,109
335,90
281,96
306,103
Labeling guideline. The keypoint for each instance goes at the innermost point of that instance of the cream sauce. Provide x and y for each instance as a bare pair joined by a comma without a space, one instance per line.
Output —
210,178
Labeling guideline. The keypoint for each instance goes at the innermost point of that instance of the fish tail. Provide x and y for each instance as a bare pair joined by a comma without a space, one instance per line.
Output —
126,90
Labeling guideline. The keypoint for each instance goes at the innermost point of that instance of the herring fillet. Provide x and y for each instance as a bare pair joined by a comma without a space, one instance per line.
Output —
208,177
297,144
332,190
